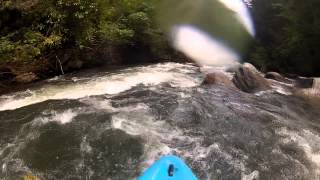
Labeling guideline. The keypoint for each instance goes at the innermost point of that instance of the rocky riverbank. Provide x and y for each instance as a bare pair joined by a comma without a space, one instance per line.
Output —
249,79
13,77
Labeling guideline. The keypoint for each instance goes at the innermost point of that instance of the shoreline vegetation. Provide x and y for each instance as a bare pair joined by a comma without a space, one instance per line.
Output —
43,39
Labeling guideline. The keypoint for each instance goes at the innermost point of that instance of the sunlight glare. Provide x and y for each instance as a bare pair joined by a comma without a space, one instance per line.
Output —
242,13
201,47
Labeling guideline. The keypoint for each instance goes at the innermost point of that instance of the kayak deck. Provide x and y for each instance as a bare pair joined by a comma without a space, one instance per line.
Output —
168,168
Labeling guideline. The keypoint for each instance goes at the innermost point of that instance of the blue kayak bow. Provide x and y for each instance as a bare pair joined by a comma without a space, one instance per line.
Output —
168,168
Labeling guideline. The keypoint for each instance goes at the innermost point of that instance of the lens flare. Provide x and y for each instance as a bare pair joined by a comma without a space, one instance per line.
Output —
202,48
211,32
242,13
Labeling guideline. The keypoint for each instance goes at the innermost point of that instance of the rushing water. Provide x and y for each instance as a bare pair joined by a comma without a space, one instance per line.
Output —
112,125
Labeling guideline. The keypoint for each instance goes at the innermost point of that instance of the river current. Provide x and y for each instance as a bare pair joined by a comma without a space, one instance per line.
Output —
113,124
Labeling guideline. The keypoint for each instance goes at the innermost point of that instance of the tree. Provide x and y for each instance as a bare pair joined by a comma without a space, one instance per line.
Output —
287,36
33,32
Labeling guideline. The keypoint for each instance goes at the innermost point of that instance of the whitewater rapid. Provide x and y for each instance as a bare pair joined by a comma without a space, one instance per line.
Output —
102,84
114,124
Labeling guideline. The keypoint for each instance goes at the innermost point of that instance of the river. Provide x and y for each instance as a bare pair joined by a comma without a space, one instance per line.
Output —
112,124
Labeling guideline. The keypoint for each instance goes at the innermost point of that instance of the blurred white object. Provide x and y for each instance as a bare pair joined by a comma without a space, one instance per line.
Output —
201,47
242,13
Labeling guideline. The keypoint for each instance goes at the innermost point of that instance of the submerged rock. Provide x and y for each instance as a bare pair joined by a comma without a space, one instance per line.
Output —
218,78
310,92
316,86
26,77
248,79
316,83
251,68
278,77
302,82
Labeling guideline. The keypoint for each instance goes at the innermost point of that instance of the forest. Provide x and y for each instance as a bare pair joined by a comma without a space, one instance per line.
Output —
288,36
109,89
50,37
40,36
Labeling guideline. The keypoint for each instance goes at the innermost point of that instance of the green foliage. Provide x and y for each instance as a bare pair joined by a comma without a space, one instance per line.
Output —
260,57
124,21
31,29
28,47
289,31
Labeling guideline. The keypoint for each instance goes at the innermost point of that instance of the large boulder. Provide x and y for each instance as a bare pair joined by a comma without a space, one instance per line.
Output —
278,77
248,79
235,68
316,83
26,77
218,78
302,82
251,68
311,93
316,87
74,64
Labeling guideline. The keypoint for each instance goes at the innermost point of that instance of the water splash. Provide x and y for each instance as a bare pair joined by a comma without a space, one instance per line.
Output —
60,117
105,84
307,141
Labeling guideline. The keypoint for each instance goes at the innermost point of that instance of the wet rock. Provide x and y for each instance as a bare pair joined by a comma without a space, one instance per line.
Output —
248,79
76,64
26,77
302,82
251,68
233,69
276,76
316,87
218,78
5,73
292,76
316,83
312,92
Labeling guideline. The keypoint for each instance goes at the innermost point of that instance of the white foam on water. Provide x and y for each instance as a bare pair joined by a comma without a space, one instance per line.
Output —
316,83
253,176
241,107
136,120
4,167
287,84
184,95
65,117
308,141
315,90
275,88
219,69
162,138
281,90
85,146
54,79
53,116
236,163
108,84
